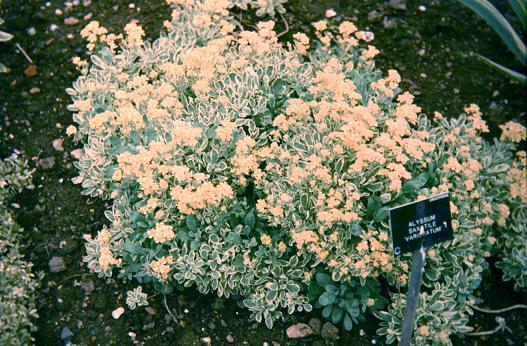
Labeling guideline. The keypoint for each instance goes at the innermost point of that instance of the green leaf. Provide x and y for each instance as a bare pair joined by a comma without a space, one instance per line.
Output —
416,183
326,299
336,315
233,220
326,312
249,304
323,279
348,323
339,165
233,238
269,322
383,315
381,214
250,220
134,248
507,71
191,222
375,187
182,235
304,199
519,7
194,245
356,229
330,288
293,288
437,306
500,25
300,146
386,197
278,87
271,295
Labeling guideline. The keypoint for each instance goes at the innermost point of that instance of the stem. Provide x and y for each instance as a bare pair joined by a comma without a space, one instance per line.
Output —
501,327
513,307
286,26
24,53
168,309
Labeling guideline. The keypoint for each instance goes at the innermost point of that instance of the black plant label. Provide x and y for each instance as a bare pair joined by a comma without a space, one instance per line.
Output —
421,223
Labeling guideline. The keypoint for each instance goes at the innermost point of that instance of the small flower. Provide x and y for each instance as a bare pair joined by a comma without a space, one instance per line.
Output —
424,331
320,25
71,130
265,239
330,13
513,131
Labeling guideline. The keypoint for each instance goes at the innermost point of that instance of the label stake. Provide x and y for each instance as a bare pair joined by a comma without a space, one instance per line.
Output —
415,227
414,286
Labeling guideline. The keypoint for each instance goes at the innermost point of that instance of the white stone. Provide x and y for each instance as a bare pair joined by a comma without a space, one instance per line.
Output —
117,312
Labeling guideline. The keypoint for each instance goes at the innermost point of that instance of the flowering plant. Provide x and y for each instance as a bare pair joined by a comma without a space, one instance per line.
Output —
18,284
238,165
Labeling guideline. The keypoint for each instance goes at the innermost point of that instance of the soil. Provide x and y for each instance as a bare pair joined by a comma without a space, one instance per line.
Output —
435,52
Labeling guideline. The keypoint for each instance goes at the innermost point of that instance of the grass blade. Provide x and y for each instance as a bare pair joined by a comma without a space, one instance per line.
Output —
500,25
511,73
519,7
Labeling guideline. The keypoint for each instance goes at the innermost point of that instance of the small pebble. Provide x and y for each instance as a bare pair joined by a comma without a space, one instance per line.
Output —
66,333
34,90
206,340
422,8
71,21
57,144
117,312
397,4
87,286
230,339
56,264
31,71
298,331
329,332
374,15
330,13
389,23
53,27
32,31
47,163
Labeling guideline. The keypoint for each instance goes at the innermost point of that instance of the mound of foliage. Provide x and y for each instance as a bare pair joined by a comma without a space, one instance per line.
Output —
17,284
240,165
